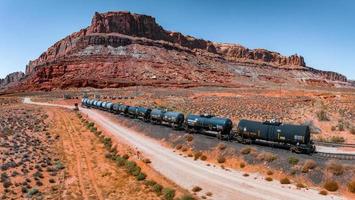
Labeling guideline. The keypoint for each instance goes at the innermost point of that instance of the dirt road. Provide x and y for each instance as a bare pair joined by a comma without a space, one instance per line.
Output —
187,173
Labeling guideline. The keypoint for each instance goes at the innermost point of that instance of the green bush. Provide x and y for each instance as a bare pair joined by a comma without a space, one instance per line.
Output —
293,160
187,197
141,176
32,192
130,165
157,188
120,161
168,193
59,165
149,182
107,142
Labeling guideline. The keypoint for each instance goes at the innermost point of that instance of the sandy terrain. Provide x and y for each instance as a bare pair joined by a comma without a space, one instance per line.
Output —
187,173
89,175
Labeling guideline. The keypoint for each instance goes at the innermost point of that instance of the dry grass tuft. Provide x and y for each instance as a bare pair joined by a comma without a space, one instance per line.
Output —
245,150
269,172
246,174
189,138
196,189
242,165
221,159
285,181
331,185
300,185
308,164
336,168
222,146
203,157
323,192
268,179
266,156
351,186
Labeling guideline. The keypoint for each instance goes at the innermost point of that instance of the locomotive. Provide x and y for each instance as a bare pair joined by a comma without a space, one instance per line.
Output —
295,137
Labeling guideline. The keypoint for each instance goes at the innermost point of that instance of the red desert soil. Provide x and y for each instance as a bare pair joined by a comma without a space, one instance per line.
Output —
89,175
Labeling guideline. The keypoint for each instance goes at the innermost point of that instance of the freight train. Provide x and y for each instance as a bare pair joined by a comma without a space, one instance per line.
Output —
294,137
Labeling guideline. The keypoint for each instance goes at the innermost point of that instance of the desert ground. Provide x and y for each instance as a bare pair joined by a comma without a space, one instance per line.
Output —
190,165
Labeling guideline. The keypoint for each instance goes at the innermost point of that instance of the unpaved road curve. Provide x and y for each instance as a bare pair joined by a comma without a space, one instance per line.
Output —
228,185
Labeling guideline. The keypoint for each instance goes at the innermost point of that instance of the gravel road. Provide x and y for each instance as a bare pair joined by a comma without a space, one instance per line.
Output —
187,173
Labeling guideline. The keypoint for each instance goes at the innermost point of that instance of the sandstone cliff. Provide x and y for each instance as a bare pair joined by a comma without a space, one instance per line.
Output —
125,49
11,78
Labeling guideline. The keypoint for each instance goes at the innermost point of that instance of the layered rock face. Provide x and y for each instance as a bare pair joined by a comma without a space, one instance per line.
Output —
125,48
11,78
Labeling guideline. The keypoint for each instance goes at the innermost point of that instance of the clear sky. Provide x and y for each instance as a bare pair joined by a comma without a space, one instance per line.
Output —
323,31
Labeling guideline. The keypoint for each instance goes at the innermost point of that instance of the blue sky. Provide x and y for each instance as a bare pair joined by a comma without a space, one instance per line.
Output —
323,31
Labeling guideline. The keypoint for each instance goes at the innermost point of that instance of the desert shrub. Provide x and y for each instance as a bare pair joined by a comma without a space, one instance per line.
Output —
336,168
178,147
293,160
132,168
323,192
341,125
189,138
222,146
266,156
147,160
125,156
322,116
221,159
337,139
351,186
352,130
209,194
245,150
268,178
300,185
269,172
196,189
242,165
331,185
141,176
246,174
187,197
203,157
157,188
107,142
32,192
333,128
308,164
168,193
197,155
120,161
90,124
59,165
190,155
184,149
149,182
285,181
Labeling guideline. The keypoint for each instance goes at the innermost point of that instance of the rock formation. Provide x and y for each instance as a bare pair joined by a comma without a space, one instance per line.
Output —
11,78
121,48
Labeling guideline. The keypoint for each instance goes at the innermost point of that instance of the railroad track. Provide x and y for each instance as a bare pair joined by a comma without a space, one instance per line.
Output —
329,144
339,156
